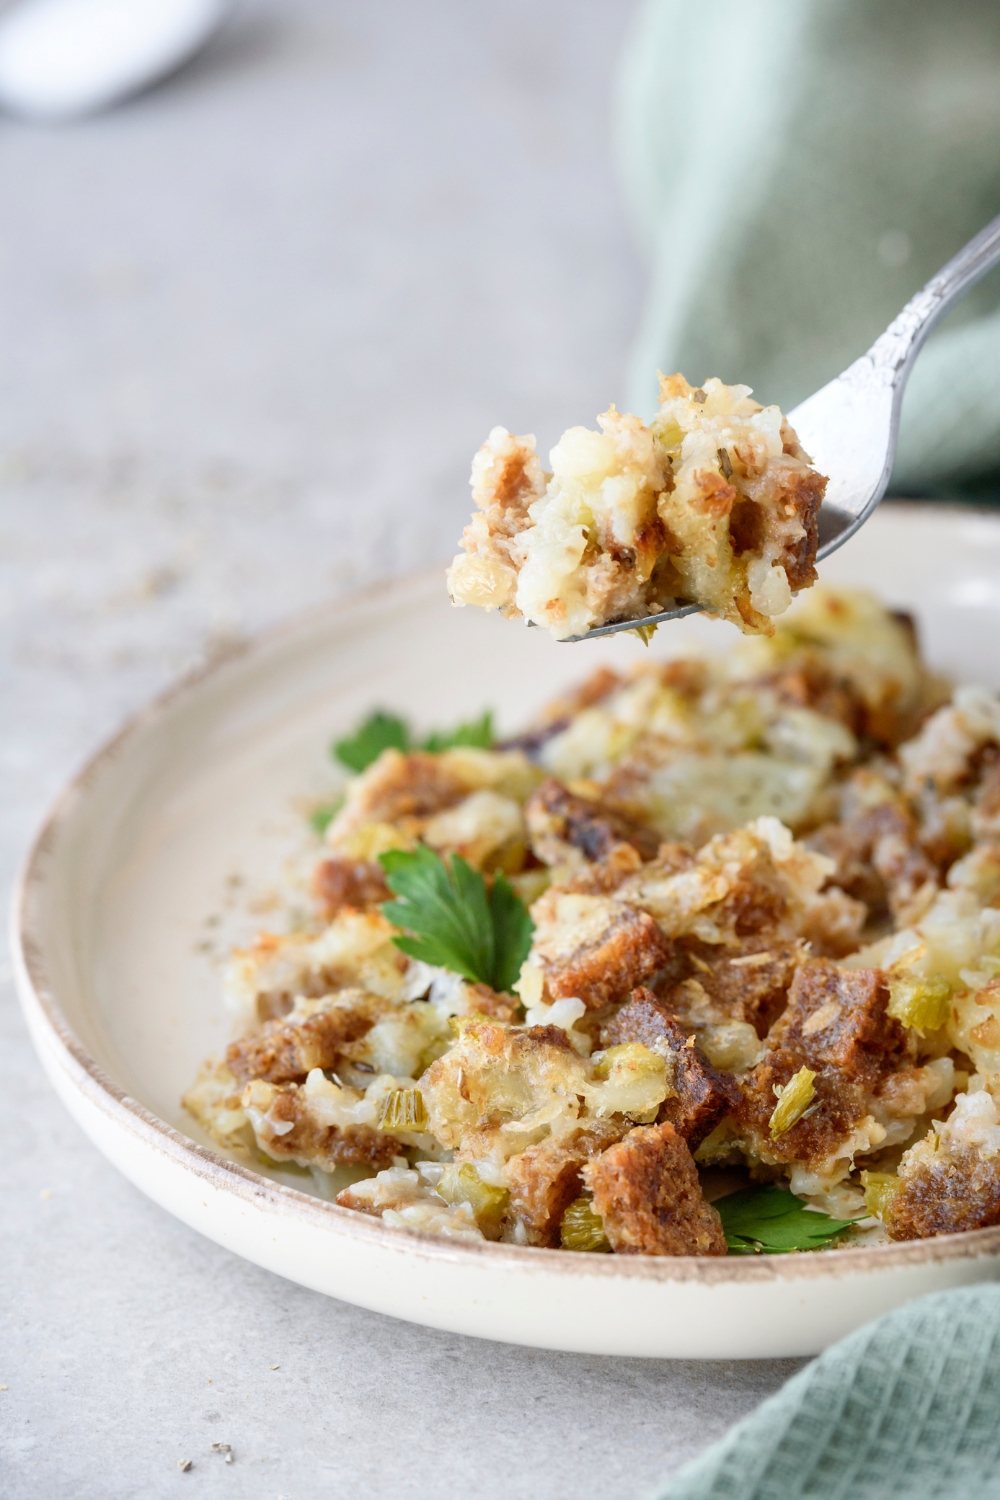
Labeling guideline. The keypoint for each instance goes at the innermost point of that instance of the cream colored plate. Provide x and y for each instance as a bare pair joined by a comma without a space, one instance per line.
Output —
127,900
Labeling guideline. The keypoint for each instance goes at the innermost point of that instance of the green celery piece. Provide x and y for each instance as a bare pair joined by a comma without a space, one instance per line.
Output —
449,919
380,731
477,733
774,1220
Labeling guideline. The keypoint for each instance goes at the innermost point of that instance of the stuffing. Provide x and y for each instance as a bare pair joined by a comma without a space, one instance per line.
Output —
877,849
754,880
400,1197
722,985
214,1100
818,1145
950,1180
545,1179
838,1018
313,1035
501,1089
319,1123
594,948
348,882
735,911
463,800
647,1193
354,951
701,1096
571,831
714,503
944,752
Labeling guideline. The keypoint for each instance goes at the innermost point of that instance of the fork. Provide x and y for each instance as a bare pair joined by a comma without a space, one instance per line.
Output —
850,426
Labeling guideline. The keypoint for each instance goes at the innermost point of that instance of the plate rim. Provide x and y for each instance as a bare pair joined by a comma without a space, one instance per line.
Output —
39,999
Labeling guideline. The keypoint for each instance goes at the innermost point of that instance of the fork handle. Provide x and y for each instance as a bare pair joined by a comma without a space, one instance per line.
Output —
893,353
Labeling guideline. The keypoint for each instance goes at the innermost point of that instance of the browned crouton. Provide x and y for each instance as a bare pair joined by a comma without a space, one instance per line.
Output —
396,789
348,882
784,490
623,860
597,949
827,1132
289,1047
749,984
545,1179
702,1094
563,826
837,1018
288,1128
963,1192
647,1192
950,1180
480,1000
943,1191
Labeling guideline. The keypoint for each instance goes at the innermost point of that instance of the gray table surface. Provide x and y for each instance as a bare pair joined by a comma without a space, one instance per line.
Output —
252,327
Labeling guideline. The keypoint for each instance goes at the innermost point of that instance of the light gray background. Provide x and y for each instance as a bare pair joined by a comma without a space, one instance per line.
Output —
252,327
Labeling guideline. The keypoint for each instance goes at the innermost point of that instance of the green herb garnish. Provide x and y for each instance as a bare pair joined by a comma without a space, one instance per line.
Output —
382,731
478,733
379,732
451,920
773,1221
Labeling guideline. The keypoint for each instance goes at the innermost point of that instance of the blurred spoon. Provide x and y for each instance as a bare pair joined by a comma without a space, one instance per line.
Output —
60,59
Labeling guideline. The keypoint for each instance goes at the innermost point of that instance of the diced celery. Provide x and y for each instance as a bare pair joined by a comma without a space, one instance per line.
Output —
403,1109
920,1004
880,1188
581,1228
461,1183
793,1101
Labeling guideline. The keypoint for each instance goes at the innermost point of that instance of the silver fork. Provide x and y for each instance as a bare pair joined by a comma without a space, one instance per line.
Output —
850,427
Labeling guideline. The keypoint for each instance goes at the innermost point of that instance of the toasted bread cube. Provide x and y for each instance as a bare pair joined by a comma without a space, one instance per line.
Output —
950,1181
595,948
314,1036
291,1124
545,1179
647,1192
702,1096
838,1018
825,1138
749,983
566,829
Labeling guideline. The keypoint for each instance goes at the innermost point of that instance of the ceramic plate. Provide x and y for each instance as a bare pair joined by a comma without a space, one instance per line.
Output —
162,852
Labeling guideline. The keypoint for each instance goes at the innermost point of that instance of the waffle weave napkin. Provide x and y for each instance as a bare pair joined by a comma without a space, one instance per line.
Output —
908,1408
794,173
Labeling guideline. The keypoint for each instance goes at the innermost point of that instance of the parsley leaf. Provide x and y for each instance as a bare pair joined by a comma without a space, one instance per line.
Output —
450,919
379,732
476,732
773,1221
512,933
382,731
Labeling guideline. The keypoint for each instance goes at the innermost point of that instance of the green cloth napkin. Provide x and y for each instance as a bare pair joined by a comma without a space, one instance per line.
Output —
794,173
907,1407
